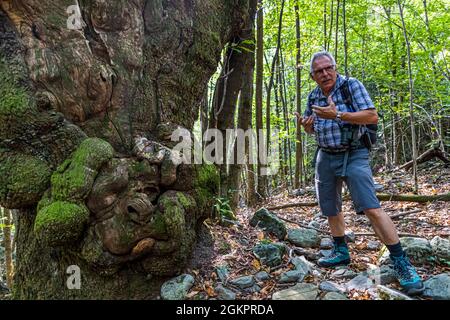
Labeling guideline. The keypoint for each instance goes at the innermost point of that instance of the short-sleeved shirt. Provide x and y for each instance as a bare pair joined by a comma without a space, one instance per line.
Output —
328,131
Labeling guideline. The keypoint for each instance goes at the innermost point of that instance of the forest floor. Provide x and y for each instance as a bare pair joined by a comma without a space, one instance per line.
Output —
232,246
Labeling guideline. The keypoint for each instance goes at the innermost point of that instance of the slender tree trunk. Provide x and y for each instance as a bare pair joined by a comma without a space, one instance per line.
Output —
411,106
204,112
262,178
330,34
345,39
325,45
272,74
287,126
298,104
336,35
7,243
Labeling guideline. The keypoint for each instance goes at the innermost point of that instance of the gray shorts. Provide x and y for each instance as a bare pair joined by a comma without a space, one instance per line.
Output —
358,178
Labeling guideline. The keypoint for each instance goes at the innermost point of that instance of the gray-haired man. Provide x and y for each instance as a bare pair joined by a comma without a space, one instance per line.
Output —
342,156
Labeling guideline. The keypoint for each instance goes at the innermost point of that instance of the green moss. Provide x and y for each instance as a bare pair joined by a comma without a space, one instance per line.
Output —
23,180
14,99
206,185
60,222
186,202
74,178
174,219
158,226
93,153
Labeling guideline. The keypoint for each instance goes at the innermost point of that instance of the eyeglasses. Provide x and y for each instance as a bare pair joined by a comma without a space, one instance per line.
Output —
326,69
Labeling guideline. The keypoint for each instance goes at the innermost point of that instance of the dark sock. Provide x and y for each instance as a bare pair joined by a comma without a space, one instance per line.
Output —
396,250
340,241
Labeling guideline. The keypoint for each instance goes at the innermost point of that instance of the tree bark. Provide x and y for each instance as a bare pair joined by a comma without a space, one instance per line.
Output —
262,178
85,139
298,101
411,107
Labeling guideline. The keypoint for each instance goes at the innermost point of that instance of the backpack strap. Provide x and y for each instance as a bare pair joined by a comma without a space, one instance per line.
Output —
346,94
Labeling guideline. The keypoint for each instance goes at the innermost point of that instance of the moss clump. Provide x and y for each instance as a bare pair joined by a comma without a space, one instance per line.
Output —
60,223
14,99
206,185
74,178
185,200
23,180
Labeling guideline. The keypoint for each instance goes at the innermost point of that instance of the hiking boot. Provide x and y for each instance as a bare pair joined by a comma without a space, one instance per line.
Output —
407,275
340,256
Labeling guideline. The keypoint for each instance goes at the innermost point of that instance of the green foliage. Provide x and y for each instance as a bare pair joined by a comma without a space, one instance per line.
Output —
223,210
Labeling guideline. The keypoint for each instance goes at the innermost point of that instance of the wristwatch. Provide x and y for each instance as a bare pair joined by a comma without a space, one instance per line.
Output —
339,116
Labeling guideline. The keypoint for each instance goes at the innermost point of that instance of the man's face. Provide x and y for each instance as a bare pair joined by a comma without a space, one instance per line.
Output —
324,73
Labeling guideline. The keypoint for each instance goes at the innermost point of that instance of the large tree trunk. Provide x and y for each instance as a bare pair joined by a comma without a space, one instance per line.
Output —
86,117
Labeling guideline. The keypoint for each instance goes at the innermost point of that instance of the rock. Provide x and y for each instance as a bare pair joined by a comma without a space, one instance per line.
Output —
292,276
334,296
417,249
314,224
373,245
262,276
326,243
301,291
270,254
438,287
303,265
177,288
316,273
381,275
243,282
266,220
253,289
386,293
359,283
329,286
224,293
343,274
350,236
319,217
379,187
302,237
441,248
326,253
222,272
3,288
298,192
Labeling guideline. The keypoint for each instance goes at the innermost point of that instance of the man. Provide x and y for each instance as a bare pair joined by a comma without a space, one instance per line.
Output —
342,156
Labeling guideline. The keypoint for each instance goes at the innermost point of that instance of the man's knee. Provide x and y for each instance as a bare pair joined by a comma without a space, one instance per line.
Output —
373,213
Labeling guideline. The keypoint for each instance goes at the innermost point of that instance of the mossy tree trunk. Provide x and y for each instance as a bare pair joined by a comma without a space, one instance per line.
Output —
88,104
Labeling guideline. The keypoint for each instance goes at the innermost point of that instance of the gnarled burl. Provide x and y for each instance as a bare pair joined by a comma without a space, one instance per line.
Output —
85,153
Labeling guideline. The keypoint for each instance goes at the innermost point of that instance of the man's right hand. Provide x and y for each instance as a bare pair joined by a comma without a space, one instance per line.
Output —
307,122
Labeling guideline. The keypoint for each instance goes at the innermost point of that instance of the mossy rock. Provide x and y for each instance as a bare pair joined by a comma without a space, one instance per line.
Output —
61,223
24,180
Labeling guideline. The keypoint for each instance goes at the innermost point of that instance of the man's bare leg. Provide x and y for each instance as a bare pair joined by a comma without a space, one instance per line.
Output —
383,226
337,225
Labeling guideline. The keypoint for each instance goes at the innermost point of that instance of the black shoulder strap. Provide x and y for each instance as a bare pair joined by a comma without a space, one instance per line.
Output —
346,95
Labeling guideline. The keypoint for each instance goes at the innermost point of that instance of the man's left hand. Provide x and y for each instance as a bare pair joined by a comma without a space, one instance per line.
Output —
329,112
